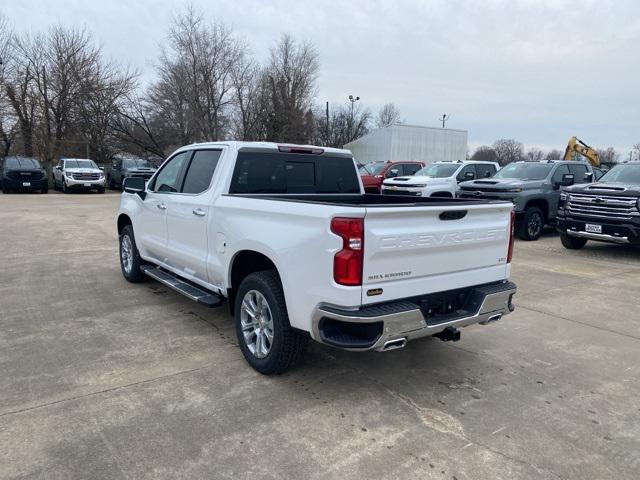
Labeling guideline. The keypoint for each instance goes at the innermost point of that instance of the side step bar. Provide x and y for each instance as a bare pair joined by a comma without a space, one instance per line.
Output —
197,294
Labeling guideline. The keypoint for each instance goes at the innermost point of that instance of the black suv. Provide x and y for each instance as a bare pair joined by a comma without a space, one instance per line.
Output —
21,174
607,211
122,168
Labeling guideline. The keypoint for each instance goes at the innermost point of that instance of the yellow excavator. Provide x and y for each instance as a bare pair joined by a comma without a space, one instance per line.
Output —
576,145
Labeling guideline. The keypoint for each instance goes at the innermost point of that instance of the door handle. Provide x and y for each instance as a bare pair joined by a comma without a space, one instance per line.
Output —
199,212
161,206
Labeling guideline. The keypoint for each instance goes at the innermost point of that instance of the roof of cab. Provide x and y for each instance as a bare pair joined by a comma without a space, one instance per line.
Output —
238,145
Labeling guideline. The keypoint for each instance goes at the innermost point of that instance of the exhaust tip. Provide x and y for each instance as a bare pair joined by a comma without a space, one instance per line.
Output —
394,344
495,318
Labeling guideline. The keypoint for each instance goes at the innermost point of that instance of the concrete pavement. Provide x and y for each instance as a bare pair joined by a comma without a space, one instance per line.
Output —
105,379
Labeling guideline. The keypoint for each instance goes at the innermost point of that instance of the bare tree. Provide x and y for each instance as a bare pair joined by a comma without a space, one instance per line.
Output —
554,154
388,115
608,156
345,125
8,124
249,99
635,151
508,150
290,87
485,153
535,154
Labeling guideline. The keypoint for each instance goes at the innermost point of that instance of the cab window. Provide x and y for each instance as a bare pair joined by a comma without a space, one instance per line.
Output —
560,171
462,175
200,172
168,179
578,171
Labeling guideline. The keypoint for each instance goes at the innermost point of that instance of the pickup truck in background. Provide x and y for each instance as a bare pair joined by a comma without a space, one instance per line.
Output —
533,187
122,168
606,211
287,236
373,174
439,179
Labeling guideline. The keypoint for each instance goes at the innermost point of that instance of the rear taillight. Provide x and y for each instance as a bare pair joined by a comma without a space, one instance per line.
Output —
347,263
512,226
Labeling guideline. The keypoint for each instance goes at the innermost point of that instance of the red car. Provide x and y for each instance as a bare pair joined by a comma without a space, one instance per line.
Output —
373,174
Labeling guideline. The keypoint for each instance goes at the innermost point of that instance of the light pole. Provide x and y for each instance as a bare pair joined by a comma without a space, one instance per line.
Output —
444,118
353,100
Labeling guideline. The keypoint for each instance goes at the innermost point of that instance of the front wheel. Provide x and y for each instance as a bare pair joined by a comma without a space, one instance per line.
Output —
130,261
45,189
532,224
266,338
572,243
64,188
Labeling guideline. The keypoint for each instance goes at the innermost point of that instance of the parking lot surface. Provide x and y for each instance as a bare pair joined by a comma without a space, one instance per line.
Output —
105,379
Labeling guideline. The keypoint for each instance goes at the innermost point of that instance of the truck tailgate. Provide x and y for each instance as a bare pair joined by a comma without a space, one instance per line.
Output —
417,250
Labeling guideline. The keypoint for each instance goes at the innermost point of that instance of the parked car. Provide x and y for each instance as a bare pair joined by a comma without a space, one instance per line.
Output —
533,187
78,174
606,211
122,168
440,179
286,235
22,174
373,174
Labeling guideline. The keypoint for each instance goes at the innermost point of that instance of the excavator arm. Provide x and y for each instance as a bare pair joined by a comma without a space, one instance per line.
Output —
576,145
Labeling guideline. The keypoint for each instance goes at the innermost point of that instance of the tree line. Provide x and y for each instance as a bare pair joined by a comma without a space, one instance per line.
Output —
60,95
507,150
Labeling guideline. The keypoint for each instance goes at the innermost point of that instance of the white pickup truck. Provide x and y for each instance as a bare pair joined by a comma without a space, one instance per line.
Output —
287,236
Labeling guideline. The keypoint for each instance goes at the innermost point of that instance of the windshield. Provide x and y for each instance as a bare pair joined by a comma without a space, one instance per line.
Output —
79,164
438,170
525,171
372,168
136,163
16,162
629,173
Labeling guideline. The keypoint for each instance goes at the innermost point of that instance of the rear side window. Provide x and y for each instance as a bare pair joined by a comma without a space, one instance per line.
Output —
578,171
200,173
266,172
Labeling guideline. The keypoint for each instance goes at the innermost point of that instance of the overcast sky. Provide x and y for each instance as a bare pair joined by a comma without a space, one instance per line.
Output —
535,70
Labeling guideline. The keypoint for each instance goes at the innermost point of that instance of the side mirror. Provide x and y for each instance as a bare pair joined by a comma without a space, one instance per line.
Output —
101,168
58,167
487,174
588,177
567,180
394,172
134,185
469,175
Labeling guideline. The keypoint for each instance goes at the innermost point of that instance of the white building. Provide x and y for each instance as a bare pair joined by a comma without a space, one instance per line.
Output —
410,143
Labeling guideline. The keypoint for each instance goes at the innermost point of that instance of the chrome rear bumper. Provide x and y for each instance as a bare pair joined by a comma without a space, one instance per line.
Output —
405,319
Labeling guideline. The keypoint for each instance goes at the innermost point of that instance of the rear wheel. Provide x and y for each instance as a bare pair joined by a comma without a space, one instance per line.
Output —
532,224
130,261
266,338
572,243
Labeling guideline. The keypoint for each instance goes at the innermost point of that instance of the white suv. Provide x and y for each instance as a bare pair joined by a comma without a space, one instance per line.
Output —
439,179
78,174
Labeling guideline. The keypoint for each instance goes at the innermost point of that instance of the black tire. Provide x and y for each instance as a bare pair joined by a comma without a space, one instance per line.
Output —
288,345
112,184
531,226
101,190
45,189
572,243
134,274
64,187
6,190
